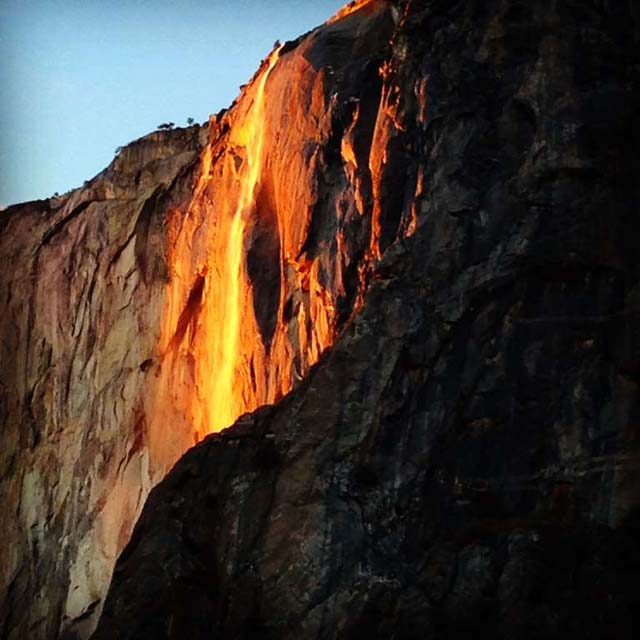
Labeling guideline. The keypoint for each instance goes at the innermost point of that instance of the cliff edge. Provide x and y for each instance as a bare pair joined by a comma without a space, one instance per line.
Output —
464,460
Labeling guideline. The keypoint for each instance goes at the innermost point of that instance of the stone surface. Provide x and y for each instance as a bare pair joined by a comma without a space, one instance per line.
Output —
274,251
114,306
81,297
464,461
448,192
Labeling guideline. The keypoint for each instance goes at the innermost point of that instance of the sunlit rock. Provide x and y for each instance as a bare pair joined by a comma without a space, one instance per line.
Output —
410,246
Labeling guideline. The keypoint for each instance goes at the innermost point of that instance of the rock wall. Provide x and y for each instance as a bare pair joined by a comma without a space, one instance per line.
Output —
464,460
116,300
274,274
81,300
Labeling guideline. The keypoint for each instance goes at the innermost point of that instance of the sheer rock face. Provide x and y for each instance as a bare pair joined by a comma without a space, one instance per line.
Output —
114,297
81,292
275,249
466,456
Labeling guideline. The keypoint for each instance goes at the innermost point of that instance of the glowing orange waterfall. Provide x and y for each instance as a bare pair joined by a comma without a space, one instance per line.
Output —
221,402
221,397
206,301
265,257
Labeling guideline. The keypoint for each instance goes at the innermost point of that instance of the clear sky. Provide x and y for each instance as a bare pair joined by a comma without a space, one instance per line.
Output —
79,78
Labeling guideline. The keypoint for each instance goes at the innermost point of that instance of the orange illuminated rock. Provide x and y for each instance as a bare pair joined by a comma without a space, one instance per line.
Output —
211,348
464,459
200,276
348,9
273,252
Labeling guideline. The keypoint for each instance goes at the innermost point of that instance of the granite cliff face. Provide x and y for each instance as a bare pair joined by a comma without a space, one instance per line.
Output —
81,299
422,218
464,460
198,277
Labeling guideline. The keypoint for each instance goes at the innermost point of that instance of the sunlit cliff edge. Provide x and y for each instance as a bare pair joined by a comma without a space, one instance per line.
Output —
410,245
200,276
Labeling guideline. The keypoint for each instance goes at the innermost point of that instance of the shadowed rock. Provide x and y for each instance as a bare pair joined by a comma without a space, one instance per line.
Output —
464,461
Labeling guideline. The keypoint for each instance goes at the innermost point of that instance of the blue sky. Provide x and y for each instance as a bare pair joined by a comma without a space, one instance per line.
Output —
80,78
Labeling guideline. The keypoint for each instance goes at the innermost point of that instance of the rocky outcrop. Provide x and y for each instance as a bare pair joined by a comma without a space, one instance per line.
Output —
81,299
274,251
200,276
422,218
465,459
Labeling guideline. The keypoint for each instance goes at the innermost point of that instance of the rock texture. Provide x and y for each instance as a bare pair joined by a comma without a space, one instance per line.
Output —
465,459
432,208
81,293
275,248
80,313
119,301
